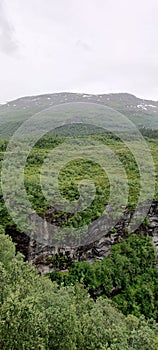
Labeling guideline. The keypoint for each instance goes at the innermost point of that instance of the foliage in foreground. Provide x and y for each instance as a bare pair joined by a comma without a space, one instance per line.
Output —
36,314
129,276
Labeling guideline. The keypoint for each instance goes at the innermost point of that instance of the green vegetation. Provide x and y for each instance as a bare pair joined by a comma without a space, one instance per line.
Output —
108,305
36,314
129,276
73,172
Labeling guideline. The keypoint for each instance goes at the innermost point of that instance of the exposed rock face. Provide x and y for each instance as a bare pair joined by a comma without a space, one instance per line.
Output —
21,240
41,255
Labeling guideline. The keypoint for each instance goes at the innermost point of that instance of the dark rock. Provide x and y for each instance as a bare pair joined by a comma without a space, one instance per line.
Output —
40,255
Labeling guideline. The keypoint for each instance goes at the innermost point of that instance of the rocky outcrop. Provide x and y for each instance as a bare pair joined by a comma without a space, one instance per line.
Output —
46,257
21,241
41,255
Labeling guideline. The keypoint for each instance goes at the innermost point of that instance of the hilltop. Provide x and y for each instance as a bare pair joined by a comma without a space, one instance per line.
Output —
144,113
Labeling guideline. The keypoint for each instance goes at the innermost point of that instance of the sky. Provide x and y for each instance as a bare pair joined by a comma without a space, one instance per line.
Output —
91,46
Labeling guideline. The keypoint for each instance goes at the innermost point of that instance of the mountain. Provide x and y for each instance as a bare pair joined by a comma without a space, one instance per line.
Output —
144,113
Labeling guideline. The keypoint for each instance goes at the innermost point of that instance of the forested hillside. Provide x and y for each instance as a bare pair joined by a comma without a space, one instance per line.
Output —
105,303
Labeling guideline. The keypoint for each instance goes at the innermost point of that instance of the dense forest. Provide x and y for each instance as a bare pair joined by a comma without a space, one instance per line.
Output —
36,313
111,304
74,171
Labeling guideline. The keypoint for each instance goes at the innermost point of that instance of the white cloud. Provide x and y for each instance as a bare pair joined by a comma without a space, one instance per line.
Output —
92,46
8,43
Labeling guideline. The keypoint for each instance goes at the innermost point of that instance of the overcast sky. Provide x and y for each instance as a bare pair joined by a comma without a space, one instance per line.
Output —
93,46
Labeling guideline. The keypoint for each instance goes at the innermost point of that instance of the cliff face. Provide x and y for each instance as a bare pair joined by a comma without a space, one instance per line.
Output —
40,255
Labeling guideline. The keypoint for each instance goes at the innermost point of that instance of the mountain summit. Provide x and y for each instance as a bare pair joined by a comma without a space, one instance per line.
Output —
144,113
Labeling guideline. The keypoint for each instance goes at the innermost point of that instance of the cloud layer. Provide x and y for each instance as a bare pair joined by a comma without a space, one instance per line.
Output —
8,43
95,46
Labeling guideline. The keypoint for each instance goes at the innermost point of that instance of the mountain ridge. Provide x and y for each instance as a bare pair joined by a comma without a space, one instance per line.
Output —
78,93
143,113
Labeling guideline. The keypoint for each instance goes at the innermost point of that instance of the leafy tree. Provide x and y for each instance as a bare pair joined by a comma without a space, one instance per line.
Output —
36,314
129,276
